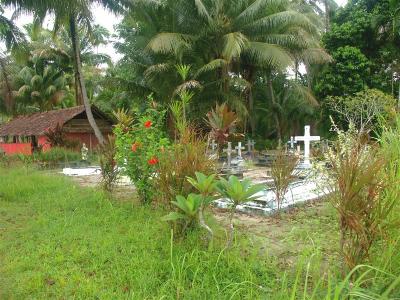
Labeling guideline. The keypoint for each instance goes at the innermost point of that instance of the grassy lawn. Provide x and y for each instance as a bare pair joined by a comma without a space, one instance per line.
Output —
58,240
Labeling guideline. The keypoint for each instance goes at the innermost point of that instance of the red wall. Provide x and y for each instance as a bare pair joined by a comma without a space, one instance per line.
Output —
17,148
42,141
88,138
26,148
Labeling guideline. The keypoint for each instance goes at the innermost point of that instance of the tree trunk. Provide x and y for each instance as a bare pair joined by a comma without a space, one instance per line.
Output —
79,76
327,18
78,94
276,117
9,99
249,76
204,225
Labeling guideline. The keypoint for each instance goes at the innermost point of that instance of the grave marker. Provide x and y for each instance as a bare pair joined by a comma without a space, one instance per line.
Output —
229,152
307,139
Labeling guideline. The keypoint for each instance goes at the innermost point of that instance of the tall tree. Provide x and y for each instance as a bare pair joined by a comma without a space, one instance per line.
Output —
15,42
70,15
228,44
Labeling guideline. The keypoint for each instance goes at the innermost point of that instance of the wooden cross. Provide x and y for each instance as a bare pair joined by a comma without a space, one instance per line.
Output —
307,138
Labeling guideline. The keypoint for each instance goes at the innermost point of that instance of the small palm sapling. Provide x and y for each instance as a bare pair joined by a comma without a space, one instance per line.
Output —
238,192
206,186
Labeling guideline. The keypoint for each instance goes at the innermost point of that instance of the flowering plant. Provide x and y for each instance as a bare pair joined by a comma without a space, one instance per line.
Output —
139,146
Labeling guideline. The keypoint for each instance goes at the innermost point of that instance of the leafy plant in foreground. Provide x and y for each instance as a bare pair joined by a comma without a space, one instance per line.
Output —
358,182
206,186
237,192
188,210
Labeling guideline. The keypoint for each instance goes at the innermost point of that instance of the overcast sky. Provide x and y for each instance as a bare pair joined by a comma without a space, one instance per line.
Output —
105,19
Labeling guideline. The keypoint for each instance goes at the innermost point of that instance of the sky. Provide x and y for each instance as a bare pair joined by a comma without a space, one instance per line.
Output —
105,19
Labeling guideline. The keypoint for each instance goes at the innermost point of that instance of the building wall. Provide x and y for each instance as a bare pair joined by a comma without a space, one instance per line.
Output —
88,138
16,148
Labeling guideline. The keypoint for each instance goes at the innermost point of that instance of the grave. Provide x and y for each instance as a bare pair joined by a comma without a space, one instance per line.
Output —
307,139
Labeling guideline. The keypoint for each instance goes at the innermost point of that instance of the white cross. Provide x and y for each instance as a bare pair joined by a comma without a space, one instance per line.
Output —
239,149
307,138
213,145
229,151
292,142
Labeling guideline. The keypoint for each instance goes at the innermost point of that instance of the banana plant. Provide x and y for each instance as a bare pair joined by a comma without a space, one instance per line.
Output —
206,186
238,192
188,210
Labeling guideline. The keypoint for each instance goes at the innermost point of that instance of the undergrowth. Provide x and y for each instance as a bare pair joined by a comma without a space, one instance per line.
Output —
58,240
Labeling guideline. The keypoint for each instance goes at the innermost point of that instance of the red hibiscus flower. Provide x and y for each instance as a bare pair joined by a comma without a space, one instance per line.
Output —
135,146
147,124
152,161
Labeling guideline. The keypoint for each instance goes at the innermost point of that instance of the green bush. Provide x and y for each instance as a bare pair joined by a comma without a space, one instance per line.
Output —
57,155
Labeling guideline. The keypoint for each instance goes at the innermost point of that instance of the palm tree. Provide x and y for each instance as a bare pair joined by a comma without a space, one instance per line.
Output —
15,42
58,48
228,44
71,15
41,85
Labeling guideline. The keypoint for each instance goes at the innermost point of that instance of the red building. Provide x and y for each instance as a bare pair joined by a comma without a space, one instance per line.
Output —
26,133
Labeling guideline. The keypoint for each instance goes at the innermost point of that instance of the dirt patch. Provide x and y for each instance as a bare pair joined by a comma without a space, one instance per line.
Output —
122,190
292,232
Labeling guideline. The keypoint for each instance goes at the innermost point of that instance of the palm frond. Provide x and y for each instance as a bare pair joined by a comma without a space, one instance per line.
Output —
169,42
234,43
269,55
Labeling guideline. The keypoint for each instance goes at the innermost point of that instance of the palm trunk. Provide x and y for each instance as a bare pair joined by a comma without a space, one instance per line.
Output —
327,12
231,227
9,99
204,225
276,117
250,100
78,94
79,76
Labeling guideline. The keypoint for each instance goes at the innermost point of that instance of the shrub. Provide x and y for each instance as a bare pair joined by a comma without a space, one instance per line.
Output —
222,122
183,159
281,173
56,155
358,181
139,147
363,109
109,172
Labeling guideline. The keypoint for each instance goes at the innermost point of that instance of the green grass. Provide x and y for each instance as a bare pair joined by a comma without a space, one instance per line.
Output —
61,241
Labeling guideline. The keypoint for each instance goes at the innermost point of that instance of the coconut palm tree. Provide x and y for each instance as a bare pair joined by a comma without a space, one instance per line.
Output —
15,42
42,86
229,44
70,15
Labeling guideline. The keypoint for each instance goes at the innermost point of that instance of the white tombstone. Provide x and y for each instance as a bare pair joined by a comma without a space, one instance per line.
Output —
229,152
214,145
307,138
239,149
